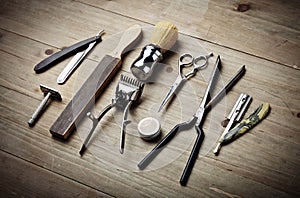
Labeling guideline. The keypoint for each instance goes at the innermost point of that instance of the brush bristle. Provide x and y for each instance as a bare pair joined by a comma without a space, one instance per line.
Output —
164,35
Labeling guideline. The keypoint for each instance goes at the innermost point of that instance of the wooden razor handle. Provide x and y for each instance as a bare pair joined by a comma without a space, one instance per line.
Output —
93,86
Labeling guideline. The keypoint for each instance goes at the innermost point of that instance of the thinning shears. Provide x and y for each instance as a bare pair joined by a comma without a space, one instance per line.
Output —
196,121
185,60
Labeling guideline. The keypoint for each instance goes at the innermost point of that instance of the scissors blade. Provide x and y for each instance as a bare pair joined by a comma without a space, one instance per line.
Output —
202,108
178,82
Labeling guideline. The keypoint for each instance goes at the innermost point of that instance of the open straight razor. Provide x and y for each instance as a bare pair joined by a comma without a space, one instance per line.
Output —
76,60
93,86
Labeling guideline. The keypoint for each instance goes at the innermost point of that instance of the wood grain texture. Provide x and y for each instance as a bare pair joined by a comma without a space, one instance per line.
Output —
254,31
85,97
15,182
262,163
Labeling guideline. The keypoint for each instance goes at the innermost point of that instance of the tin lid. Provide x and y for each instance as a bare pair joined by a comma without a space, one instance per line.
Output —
149,128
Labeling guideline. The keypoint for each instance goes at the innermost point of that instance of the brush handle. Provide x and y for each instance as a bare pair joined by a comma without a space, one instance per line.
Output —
93,86
142,68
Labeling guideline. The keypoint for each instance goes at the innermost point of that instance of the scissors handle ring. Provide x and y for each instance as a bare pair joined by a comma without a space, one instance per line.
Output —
185,60
204,63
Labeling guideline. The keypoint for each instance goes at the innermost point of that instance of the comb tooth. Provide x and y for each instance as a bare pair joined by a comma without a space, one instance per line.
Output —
125,79
138,83
130,81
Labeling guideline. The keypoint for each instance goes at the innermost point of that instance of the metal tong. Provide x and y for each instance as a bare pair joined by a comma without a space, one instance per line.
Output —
197,122
128,91
235,115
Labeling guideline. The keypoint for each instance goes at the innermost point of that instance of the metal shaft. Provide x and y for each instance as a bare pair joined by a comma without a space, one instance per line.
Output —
39,110
124,123
227,87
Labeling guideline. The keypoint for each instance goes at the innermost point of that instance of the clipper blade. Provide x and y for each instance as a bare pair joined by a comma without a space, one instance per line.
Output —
131,82
128,89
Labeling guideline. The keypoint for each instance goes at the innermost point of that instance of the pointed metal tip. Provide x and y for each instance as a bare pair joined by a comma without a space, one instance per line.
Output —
100,32
216,153
83,148
60,81
217,149
121,150
162,105
160,108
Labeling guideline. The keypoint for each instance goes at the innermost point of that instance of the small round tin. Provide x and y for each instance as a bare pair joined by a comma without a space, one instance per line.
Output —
149,128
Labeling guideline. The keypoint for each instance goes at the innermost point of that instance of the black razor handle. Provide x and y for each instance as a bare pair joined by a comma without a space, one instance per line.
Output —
65,53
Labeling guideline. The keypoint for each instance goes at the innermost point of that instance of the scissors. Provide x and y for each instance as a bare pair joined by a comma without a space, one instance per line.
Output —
185,60
196,121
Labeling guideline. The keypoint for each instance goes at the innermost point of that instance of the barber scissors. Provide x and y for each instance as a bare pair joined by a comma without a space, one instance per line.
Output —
196,121
185,60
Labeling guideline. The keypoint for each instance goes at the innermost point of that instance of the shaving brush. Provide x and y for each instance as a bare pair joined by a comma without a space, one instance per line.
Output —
163,37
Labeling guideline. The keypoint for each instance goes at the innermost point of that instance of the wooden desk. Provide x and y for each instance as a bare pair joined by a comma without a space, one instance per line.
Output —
263,163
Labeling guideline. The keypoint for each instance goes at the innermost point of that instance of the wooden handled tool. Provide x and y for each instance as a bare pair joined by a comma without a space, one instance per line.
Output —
93,86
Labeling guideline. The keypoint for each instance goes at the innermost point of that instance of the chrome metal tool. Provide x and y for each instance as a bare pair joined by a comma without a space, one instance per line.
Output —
235,115
128,91
197,122
231,133
49,94
76,60
94,85
185,60
65,53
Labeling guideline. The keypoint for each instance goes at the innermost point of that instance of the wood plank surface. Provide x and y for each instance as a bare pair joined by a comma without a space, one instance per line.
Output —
262,163
37,181
222,22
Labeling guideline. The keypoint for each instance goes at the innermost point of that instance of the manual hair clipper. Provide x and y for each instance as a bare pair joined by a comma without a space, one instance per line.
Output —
127,92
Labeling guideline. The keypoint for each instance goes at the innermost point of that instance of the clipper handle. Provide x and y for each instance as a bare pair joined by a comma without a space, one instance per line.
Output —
142,68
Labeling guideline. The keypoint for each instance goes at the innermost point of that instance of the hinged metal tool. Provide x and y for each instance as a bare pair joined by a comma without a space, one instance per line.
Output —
128,91
235,116
196,121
